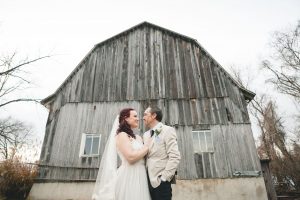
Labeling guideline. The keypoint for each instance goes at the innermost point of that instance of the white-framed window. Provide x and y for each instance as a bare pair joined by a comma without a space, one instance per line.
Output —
204,154
202,141
90,144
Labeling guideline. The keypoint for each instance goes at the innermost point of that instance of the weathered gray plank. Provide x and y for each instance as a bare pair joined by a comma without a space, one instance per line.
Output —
187,165
148,65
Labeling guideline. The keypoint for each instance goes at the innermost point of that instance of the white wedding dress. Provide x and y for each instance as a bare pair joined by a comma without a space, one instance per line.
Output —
131,182
128,182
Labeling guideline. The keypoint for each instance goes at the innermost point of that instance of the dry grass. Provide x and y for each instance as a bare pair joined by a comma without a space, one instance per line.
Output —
16,179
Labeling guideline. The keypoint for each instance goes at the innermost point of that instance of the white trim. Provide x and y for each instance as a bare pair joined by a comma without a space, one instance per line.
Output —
82,145
201,149
83,141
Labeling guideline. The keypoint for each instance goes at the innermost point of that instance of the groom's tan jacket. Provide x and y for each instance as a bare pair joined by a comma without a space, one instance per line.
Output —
163,157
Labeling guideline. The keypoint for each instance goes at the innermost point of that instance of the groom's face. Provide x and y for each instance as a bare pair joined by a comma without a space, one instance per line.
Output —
148,118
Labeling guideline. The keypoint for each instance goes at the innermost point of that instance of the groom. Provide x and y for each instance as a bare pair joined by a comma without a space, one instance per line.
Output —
163,157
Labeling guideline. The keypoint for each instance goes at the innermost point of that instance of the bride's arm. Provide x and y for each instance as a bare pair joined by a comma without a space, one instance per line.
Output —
124,146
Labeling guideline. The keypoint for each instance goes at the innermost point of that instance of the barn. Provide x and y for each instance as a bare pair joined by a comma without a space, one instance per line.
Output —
148,64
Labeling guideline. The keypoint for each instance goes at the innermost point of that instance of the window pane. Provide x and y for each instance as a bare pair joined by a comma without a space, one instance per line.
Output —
202,142
196,142
95,145
88,145
209,141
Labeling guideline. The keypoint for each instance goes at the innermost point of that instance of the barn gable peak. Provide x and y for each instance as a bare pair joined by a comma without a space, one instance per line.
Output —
247,94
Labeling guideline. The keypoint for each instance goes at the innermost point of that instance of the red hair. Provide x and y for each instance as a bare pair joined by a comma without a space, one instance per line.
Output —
123,125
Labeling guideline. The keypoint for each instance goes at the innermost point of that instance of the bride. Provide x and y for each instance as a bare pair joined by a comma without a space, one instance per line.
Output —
129,181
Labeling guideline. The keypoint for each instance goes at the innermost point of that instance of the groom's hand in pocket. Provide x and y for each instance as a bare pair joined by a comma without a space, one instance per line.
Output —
162,179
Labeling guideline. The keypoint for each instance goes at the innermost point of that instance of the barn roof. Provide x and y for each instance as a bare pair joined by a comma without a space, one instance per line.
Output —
247,94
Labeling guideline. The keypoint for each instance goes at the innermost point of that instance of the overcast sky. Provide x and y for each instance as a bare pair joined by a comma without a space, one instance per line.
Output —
233,32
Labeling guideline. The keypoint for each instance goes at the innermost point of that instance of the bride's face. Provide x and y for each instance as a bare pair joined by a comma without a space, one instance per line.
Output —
133,120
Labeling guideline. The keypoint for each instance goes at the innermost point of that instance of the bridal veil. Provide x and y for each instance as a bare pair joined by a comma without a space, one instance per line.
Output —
104,188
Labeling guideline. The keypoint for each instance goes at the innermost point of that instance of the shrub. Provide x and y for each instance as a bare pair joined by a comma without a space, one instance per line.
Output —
16,178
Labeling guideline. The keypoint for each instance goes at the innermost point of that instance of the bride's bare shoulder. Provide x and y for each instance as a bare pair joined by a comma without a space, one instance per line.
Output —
122,136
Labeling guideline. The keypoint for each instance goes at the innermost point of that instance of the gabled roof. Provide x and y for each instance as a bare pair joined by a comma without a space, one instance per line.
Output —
247,94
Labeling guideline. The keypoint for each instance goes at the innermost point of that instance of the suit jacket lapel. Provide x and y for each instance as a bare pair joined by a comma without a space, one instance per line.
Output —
153,139
152,143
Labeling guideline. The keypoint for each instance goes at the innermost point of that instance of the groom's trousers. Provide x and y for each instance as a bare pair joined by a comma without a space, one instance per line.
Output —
162,192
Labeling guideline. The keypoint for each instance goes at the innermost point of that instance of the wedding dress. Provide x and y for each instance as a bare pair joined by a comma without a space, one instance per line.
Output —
132,183
128,182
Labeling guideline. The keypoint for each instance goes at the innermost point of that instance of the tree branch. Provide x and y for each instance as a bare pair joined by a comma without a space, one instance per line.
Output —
22,64
19,100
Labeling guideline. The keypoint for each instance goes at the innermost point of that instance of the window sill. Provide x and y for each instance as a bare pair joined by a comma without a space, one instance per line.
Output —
89,156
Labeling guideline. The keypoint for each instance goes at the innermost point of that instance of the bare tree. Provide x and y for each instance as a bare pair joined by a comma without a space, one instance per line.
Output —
273,140
13,135
13,78
273,135
284,65
243,76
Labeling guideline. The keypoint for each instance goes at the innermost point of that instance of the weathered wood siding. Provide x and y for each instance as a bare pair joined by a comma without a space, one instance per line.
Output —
66,130
148,63
234,148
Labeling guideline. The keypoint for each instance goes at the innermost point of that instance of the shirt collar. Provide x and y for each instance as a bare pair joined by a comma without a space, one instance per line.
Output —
157,126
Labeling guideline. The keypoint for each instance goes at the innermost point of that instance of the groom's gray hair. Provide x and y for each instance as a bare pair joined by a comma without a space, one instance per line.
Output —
156,110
